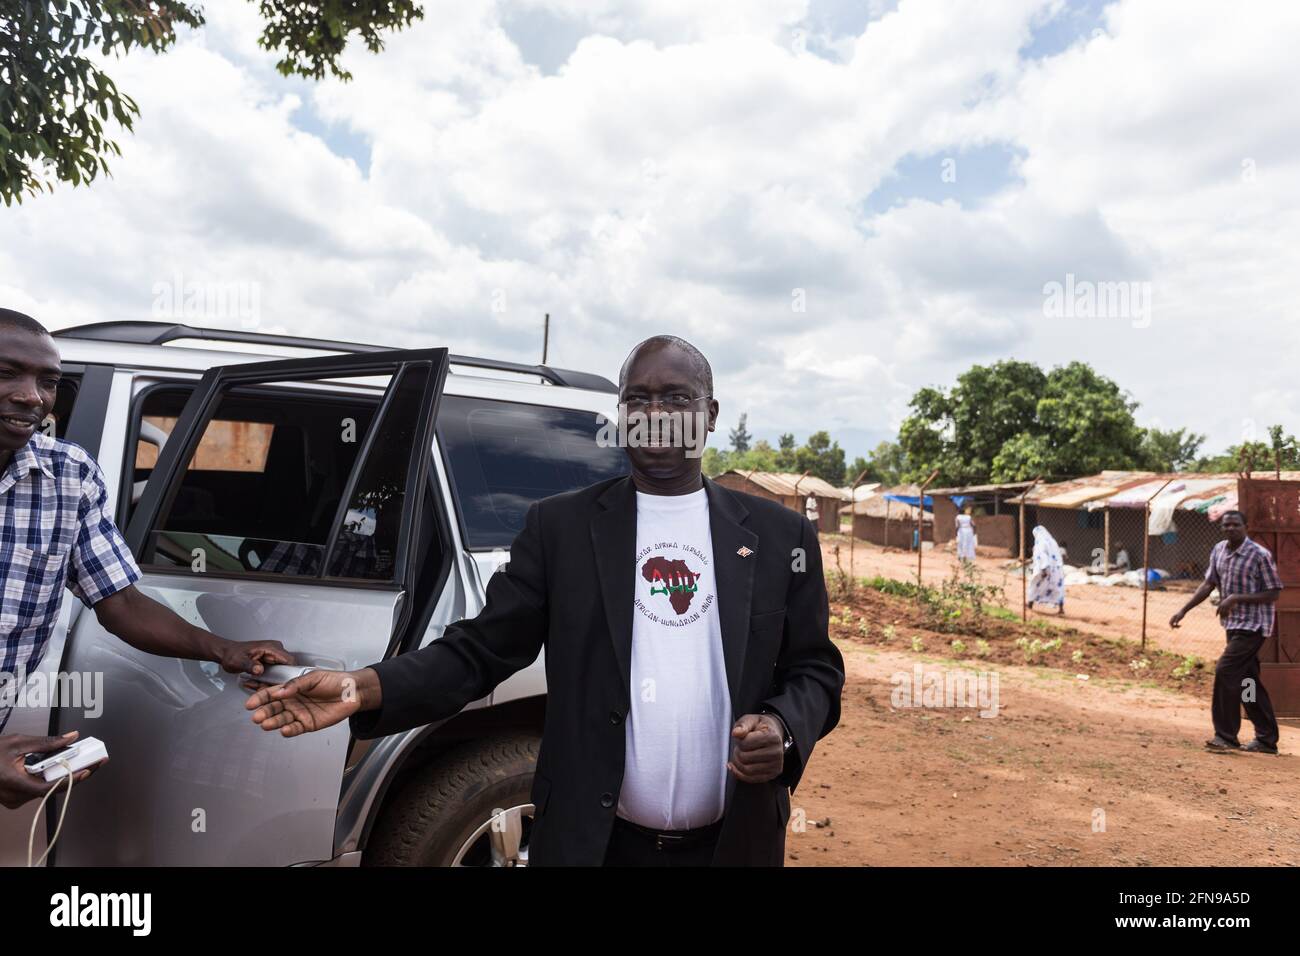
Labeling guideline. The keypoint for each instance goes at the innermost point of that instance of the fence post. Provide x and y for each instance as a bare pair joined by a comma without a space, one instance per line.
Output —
853,517
920,528
1105,545
1146,556
1024,577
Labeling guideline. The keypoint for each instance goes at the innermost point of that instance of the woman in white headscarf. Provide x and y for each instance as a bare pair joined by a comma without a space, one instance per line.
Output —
966,536
1047,581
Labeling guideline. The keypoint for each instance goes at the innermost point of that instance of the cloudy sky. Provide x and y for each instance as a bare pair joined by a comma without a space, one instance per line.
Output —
839,201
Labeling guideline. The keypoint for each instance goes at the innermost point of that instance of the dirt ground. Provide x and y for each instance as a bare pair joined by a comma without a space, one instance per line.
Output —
1107,771
1112,611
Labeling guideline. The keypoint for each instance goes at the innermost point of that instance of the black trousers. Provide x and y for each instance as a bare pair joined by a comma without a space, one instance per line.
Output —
630,847
1239,662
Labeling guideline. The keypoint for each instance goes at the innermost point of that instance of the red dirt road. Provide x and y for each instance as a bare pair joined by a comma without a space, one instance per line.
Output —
948,787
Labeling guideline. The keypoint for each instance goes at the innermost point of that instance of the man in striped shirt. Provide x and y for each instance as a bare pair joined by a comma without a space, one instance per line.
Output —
1249,585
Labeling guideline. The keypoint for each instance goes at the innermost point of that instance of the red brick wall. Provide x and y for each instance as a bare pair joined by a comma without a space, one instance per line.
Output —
997,531
945,520
872,528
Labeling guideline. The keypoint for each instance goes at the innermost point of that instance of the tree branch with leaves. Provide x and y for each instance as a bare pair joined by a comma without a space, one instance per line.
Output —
57,103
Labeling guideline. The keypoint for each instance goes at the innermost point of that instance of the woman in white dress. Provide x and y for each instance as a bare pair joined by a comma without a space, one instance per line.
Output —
1047,583
966,539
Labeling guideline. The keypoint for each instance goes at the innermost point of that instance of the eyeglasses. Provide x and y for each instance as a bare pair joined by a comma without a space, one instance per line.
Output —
676,401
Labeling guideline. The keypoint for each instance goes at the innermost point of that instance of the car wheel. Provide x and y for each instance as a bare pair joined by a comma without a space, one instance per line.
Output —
468,807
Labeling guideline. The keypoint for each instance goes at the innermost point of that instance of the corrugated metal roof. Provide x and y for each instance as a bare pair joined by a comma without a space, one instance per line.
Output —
978,489
864,490
1122,489
784,482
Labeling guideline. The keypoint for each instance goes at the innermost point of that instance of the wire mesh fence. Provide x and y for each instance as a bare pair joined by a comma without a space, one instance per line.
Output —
1124,568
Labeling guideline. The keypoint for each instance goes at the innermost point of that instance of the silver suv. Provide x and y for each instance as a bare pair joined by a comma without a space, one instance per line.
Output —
350,503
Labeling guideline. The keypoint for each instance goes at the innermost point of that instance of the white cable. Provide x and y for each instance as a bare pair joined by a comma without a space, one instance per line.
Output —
31,836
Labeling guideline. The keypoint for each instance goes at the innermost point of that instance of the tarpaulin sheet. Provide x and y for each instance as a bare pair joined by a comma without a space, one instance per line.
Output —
912,500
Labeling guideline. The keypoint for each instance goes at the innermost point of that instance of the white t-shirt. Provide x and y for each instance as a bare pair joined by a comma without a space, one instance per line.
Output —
678,732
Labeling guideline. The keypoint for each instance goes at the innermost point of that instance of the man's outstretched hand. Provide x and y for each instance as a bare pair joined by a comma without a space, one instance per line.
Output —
314,701
758,752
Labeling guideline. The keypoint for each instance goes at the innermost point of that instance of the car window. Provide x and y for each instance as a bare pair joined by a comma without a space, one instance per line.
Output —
503,456
261,491
366,545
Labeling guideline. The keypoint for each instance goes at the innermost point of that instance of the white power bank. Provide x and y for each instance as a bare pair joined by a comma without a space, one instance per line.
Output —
84,753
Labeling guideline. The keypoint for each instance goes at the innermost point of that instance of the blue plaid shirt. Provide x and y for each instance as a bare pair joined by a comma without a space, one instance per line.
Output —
1247,570
56,531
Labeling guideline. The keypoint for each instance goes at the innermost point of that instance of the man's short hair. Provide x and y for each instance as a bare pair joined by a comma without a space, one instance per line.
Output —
9,319
698,362
1234,511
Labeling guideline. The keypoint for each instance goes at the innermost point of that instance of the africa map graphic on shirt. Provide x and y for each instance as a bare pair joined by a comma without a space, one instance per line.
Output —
670,585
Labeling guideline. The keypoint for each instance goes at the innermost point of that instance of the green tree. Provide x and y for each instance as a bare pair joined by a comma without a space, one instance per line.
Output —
740,436
1173,450
1281,450
1011,421
785,453
714,462
760,457
1088,422
55,101
886,464
822,457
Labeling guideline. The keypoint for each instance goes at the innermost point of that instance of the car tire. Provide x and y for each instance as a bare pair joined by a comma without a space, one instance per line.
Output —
445,810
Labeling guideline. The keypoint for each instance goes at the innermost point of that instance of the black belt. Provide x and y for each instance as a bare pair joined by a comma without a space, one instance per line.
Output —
672,839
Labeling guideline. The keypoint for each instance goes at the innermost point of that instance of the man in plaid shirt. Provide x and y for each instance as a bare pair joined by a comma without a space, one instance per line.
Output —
56,532
1248,586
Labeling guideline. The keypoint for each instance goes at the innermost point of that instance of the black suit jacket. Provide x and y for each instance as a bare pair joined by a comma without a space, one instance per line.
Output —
569,588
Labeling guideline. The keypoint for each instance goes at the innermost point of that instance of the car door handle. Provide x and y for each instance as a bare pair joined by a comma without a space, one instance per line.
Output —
282,673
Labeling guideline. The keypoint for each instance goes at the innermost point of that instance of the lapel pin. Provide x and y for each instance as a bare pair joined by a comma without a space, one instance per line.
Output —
743,551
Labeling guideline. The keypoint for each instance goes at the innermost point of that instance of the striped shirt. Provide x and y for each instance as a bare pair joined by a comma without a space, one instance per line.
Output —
1248,570
56,531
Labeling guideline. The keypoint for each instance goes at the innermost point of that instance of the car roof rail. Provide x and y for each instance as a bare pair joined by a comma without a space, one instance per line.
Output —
138,332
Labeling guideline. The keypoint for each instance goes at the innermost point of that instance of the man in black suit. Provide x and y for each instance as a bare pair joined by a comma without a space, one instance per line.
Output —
688,665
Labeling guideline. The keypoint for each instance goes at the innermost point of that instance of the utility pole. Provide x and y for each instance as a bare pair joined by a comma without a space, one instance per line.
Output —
546,336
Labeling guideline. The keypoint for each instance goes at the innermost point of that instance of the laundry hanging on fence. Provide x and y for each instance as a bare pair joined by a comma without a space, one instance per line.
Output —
1161,518
1227,504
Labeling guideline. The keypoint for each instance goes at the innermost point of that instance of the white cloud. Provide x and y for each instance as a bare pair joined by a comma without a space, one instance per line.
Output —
687,168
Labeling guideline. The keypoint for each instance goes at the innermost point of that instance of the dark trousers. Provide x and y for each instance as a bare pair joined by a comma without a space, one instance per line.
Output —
631,847
1239,662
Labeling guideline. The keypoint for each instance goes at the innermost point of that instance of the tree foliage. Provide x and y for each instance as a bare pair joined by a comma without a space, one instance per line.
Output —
1011,421
1173,450
740,436
819,456
313,35
1280,451
56,103
885,463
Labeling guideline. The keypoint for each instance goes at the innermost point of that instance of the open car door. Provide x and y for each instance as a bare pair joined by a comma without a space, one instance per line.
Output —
284,505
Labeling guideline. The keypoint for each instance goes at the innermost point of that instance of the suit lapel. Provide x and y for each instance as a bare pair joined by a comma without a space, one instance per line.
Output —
613,536
735,577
